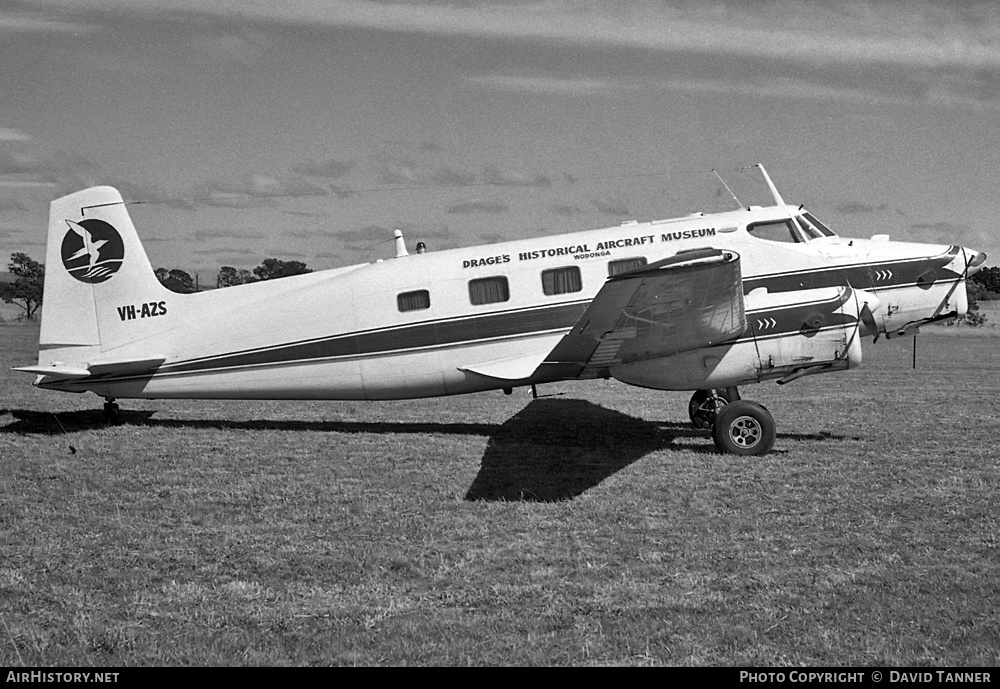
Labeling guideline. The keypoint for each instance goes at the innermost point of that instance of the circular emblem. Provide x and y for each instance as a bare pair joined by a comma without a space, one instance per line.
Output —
92,250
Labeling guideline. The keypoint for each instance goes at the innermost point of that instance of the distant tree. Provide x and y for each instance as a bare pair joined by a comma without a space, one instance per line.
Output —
989,279
230,277
175,280
26,290
974,292
227,277
272,268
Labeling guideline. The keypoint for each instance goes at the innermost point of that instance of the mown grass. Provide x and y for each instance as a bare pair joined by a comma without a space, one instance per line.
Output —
588,527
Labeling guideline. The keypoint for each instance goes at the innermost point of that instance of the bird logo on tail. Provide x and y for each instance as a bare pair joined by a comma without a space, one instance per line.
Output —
92,250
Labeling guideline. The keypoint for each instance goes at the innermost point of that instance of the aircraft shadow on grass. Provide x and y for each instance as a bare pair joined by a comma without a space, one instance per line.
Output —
552,450
555,449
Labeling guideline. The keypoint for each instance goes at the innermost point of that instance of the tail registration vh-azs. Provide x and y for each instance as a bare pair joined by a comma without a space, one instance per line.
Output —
705,302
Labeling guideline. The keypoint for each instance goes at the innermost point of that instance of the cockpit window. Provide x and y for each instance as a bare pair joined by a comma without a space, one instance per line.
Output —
775,231
801,228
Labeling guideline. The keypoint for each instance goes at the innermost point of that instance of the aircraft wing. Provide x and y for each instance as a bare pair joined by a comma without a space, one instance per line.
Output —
687,301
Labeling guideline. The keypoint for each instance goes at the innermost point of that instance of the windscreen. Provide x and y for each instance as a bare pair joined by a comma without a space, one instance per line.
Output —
813,228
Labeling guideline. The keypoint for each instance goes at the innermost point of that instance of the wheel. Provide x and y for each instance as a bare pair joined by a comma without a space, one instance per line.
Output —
744,428
705,404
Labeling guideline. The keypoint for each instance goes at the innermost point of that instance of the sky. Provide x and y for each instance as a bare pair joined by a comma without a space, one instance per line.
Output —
310,129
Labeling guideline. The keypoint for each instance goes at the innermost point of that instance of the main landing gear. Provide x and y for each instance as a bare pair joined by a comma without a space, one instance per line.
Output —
739,427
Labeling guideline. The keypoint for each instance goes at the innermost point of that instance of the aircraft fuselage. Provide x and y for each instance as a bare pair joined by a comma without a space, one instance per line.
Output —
491,317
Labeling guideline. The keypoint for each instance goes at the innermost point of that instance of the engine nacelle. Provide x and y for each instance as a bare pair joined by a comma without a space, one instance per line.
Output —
788,335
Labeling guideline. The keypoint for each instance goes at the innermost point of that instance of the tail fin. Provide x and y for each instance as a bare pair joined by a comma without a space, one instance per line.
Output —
99,284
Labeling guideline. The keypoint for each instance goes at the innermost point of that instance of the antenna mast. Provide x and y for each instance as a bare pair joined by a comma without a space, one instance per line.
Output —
778,201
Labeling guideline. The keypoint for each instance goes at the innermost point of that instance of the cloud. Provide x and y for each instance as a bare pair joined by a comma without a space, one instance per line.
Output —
8,134
305,234
412,172
10,202
23,160
332,168
31,178
371,236
253,191
942,232
365,237
924,33
439,232
228,256
212,235
614,207
33,21
927,52
494,176
566,211
543,84
342,192
855,208
478,206
492,238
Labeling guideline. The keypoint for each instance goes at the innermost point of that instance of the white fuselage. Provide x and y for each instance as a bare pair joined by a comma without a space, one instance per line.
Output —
342,334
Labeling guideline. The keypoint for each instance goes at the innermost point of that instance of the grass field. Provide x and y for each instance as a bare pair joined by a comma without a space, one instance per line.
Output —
591,526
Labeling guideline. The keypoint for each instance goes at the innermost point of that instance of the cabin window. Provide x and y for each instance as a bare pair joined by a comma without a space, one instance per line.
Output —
414,301
626,264
561,280
775,231
489,290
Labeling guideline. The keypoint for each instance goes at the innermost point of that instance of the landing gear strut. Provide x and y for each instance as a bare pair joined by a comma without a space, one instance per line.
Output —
111,410
705,405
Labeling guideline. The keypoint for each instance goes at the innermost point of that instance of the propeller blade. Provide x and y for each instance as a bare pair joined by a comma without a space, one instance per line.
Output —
868,318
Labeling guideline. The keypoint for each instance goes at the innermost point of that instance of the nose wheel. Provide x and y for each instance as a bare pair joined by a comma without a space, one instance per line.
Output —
744,428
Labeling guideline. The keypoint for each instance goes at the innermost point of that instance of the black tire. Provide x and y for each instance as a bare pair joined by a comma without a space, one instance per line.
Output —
744,428
705,405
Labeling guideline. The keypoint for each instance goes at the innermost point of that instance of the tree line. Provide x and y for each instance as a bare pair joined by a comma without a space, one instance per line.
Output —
177,280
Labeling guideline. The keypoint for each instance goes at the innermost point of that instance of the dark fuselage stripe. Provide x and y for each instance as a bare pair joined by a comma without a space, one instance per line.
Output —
407,337
883,275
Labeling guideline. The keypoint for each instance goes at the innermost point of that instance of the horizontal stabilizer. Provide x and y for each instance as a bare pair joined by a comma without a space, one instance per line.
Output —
124,367
56,370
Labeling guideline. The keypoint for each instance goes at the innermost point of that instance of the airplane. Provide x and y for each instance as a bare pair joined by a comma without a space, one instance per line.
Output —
707,302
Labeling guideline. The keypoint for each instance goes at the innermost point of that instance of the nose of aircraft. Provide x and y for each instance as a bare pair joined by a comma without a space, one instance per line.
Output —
974,260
